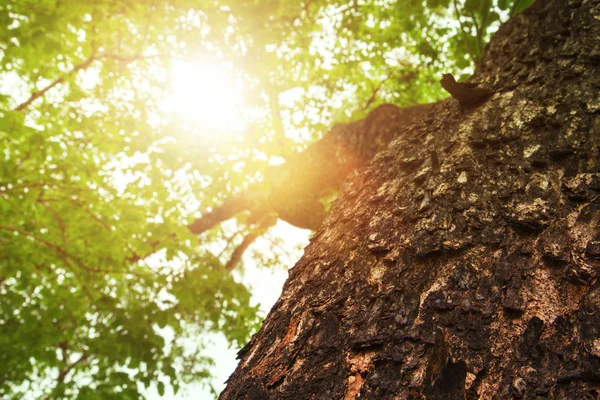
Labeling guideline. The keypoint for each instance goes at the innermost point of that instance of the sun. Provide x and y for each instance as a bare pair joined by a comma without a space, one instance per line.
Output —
207,97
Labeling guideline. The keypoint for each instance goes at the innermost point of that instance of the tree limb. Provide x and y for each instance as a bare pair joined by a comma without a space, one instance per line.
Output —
67,256
63,374
253,200
80,67
478,33
320,169
375,91
36,95
257,232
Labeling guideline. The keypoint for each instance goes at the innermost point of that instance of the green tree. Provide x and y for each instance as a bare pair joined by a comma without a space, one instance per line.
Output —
110,234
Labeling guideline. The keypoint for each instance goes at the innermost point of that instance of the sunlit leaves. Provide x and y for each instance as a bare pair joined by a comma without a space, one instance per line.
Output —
87,192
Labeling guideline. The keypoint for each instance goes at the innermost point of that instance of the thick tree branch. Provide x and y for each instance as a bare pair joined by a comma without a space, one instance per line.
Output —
252,199
320,170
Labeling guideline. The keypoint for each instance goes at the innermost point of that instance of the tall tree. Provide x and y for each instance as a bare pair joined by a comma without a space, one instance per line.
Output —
462,262
113,250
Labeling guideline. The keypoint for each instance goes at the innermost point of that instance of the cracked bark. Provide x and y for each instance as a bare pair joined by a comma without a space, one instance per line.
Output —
473,280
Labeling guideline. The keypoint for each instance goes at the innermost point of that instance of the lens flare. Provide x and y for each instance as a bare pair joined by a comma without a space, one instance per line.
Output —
206,97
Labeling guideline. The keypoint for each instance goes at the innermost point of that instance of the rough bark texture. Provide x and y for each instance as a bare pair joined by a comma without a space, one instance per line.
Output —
298,185
471,274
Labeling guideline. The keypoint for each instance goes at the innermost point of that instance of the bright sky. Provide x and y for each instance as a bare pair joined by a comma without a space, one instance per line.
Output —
266,287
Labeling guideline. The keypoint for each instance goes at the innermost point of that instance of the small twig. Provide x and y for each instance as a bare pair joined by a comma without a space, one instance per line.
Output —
462,29
137,257
81,67
284,251
228,242
375,91
91,214
275,109
21,161
478,35
36,95
59,220
47,243
69,367
514,7
239,251
67,255
42,185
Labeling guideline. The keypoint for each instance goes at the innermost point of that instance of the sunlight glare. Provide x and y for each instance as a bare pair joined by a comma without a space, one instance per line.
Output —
208,98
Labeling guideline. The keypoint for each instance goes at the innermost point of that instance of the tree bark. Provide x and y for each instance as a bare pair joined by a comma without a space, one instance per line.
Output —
462,262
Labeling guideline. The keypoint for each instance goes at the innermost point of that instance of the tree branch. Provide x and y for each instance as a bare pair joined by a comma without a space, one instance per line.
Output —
375,91
253,200
82,67
257,232
481,32
36,95
59,220
228,242
463,31
514,8
478,33
278,126
321,168
91,214
67,255
62,375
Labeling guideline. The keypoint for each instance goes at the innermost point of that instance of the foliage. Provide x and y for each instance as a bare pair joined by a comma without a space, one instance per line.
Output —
99,180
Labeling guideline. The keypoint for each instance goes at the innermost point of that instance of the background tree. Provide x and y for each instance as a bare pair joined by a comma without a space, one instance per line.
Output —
100,180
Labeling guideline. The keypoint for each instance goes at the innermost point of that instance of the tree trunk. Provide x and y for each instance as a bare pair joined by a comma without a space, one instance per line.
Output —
462,262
